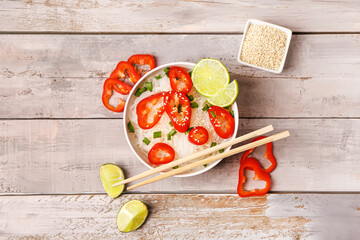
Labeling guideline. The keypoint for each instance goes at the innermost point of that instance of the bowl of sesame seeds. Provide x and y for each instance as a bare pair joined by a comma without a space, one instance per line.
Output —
264,46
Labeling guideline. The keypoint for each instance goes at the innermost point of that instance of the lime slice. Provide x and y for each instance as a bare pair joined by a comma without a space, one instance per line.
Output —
210,76
109,175
225,97
131,216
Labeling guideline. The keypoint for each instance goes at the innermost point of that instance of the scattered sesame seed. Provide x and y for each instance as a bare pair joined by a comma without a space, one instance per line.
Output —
264,46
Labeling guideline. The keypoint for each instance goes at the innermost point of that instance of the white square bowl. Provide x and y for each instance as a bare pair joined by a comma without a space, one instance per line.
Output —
288,34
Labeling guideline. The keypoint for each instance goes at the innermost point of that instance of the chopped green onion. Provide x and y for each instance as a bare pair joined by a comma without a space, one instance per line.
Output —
158,77
157,134
194,105
221,150
179,108
175,167
166,70
212,113
190,73
146,141
205,165
149,86
213,144
170,123
168,137
232,113
191,98
130,127
172,132
140,91
187,132
206,107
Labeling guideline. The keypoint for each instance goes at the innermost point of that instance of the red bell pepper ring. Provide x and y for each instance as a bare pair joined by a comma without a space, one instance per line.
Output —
118,86
198,136
142,59
149,110
180,80
161,153
177,106
124,67
111,84
260,174
222,121
269,155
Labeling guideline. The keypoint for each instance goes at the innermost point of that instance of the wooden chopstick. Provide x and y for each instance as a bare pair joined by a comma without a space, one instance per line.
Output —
197,155
213,158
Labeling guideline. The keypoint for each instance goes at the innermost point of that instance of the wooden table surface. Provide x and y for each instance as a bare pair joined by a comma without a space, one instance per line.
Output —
55,132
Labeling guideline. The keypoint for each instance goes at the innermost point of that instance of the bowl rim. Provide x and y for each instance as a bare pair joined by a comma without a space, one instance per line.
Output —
131,94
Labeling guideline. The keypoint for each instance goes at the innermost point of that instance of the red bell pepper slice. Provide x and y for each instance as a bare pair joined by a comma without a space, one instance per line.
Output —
149,110
111,84
118,85
161,153
177,106
260,174
222,121
269,155
180,80
124,67
142,59
198,136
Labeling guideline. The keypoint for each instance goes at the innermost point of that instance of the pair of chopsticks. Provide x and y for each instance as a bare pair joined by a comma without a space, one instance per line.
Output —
206,160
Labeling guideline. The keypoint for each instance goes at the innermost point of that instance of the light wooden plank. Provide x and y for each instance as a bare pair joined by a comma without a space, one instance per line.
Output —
64,156
176,16
185,216
61,76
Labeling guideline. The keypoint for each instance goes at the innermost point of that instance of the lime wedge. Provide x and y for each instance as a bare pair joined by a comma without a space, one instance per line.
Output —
225,97
131,216
109,175
210,76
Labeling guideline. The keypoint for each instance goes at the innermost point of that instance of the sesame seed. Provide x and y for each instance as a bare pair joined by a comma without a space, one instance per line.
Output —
264,46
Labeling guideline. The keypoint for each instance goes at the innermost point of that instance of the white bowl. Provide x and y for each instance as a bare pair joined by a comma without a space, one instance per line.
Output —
137,151
288,34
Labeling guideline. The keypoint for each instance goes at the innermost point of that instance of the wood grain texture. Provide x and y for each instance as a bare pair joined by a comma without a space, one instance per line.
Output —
64,156
186,216
175,16
61,76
